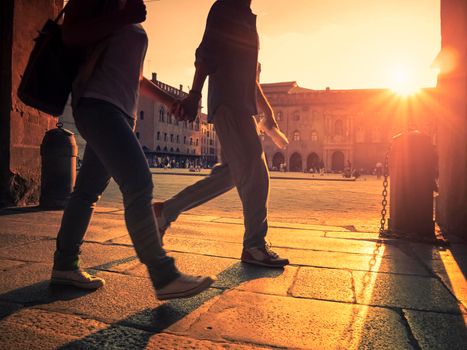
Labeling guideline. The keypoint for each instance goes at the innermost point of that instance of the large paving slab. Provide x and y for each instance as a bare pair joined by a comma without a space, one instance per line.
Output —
281,224
26,284
402,291
39,329
230,273
128,301
30,226
438,331
233,249
93,254
325,284
295,323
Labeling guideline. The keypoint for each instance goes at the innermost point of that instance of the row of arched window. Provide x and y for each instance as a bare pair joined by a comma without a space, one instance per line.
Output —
166,117
172,150
175,138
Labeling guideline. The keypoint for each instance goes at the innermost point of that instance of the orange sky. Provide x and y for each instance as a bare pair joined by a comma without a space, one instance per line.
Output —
342,44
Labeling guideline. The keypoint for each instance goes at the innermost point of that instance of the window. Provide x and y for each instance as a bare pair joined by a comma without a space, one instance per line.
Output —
137,135
314,135
158,137
169,118
165,136
376,134
360,135
197,142
296,116
184,140
162,114
191,141
171,137
338,127
279,116
141,115
296,136
178,139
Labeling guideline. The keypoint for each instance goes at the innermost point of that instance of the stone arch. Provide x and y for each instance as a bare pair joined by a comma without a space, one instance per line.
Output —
277,160
312,162
337,162
295,163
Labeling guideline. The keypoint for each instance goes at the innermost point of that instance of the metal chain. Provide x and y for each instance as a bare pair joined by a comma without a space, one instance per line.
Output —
384,201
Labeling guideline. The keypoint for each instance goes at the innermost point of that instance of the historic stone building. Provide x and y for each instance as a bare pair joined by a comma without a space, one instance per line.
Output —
167,141
336,128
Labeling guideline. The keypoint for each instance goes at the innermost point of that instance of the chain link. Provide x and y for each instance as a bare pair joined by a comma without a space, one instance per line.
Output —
384,201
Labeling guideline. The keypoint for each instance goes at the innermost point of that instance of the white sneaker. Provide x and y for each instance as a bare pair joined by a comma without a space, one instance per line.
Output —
76,278
184,286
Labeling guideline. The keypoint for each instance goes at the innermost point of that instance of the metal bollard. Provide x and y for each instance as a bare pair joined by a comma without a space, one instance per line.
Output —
412,182
59,153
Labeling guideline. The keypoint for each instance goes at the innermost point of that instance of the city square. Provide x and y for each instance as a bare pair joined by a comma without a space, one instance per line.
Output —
346,288
233,174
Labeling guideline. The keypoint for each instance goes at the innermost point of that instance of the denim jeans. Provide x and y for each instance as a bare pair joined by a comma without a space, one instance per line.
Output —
112,150
243,166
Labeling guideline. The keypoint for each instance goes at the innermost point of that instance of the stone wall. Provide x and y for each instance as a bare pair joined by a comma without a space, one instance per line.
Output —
22,127
452,124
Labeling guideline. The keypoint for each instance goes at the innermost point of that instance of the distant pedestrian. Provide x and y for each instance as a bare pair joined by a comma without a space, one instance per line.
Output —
379,170
104,109
228,54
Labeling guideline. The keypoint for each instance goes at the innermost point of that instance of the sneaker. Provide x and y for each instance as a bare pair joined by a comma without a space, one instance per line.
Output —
76,278
184,286
161,221
263,256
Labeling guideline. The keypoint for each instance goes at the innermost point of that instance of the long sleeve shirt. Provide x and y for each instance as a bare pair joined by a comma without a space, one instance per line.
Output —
229,50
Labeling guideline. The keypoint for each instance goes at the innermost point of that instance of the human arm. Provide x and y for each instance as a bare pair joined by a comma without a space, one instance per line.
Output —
82,28
265,107
207,57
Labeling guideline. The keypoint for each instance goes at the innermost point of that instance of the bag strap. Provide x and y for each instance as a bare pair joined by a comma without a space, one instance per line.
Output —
62,12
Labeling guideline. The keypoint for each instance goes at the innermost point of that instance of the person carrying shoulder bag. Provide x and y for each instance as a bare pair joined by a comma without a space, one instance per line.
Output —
104,98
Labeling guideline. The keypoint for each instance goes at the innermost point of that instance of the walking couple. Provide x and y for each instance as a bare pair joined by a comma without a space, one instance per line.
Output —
113,43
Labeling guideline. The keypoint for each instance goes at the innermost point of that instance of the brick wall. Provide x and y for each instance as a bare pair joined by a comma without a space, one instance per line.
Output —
22,127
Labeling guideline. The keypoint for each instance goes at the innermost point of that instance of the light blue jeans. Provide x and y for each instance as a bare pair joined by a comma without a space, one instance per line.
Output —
112,150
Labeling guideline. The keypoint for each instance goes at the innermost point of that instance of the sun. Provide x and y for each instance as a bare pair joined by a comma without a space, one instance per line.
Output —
403,81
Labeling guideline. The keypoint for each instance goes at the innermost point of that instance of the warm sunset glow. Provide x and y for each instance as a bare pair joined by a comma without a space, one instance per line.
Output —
403,81
340,44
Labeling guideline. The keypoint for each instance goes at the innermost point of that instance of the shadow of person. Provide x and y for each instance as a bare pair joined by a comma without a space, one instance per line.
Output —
138,332
40,293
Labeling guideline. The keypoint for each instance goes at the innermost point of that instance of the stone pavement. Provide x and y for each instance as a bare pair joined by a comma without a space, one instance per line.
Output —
343,290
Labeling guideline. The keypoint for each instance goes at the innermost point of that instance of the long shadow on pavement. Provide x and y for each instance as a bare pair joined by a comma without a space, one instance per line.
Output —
135,330
170,312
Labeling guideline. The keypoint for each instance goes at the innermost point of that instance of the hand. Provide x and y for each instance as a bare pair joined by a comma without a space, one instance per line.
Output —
187,109
134,11
270,121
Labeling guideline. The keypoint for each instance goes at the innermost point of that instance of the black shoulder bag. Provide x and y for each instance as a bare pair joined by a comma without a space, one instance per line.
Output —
51,69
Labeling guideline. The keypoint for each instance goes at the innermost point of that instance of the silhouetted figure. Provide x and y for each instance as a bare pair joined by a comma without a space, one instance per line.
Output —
113,44
228,54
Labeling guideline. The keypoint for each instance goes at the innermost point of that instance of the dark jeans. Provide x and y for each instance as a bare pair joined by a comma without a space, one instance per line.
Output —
112,150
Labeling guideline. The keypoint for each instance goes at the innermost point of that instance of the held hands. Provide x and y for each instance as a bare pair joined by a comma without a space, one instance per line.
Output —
134,12
187,109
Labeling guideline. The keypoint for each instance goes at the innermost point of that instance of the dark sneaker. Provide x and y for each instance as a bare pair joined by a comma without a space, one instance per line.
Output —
161,221
184,286
263,256
76,278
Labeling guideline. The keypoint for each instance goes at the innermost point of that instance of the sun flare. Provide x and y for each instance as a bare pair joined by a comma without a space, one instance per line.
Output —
403,81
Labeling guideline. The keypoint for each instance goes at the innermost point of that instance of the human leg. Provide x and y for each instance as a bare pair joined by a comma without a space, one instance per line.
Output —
110,134
250,174
216,183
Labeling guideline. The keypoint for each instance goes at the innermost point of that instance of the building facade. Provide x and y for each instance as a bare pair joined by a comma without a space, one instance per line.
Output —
168,142
334,129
